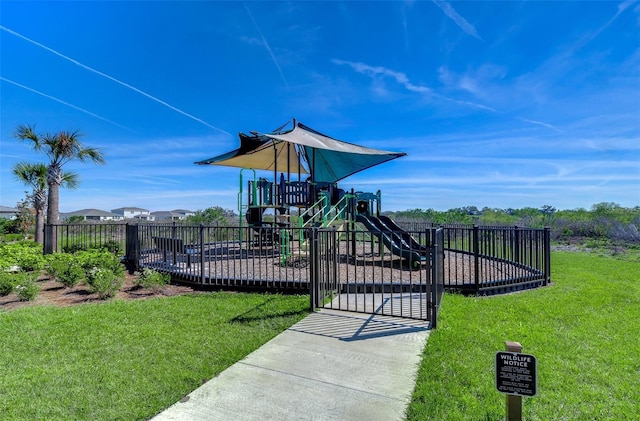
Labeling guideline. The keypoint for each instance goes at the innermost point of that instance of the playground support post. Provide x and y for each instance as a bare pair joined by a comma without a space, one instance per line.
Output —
240,196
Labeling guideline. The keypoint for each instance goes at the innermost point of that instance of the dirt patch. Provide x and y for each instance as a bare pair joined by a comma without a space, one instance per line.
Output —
55,294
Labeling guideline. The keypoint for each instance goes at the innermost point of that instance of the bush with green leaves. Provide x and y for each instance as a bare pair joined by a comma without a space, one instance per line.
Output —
65,268
102,258
73,248
8,281
103,270
152,279
104,282
26,255
10,238
112,246
27,289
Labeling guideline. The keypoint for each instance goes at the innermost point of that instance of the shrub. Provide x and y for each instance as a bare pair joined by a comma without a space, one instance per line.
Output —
103,259
112,246
103,271
10,238
8,281
27,289
105,282
73,248
26,255
30,257
152,279
65,268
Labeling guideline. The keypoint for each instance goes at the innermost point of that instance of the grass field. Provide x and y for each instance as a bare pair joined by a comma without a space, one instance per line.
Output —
129,360
125,360
584,331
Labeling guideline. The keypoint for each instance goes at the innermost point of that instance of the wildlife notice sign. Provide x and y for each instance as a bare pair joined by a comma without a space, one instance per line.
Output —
516,373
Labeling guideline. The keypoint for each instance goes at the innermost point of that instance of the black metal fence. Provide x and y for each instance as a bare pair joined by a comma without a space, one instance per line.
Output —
68,238
342,267
236,257
493,259
478,260
353,270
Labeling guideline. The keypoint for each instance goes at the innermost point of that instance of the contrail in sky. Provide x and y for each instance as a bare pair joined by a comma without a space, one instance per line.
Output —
133,88
399,77
403,80
459,20
63,102
540,123
266,44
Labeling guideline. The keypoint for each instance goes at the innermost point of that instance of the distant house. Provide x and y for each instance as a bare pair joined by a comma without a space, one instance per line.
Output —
92,215
7,212
174,215
134,213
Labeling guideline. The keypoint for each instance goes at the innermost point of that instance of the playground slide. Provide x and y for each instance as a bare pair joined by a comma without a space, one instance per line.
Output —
406,237
392,240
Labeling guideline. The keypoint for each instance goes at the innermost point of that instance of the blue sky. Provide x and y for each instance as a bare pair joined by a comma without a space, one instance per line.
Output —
497,104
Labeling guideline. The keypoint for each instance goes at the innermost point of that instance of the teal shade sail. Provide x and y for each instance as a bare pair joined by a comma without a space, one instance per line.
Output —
303,150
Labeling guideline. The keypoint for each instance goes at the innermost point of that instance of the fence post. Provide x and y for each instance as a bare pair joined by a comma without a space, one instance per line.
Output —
516,245
547,255
476,258
202,277
313,268
433,257
132,247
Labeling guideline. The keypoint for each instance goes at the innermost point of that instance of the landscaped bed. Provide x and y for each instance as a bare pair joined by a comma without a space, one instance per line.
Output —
56,294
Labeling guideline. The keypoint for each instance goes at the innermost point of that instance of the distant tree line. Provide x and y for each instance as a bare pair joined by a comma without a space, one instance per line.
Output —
605,221
213,216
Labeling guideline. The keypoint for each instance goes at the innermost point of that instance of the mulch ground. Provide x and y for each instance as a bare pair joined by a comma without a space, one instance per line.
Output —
55,294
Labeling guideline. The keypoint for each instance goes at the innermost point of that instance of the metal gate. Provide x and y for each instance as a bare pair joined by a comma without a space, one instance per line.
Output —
358,271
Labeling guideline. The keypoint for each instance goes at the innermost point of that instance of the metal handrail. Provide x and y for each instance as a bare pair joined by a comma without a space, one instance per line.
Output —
301,222
338,209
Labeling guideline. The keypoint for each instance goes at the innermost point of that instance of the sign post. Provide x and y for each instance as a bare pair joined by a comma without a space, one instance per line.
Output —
516,375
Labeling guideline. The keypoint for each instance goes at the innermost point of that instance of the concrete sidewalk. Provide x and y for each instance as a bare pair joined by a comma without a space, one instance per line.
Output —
332,365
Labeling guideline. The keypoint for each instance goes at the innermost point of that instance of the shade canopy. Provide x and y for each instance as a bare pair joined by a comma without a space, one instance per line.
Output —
304,150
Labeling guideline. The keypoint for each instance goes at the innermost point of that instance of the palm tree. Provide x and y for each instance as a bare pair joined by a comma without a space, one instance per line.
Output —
60,148
35,176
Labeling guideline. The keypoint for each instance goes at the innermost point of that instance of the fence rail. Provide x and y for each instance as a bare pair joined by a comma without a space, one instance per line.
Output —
67,238
493,259
471,259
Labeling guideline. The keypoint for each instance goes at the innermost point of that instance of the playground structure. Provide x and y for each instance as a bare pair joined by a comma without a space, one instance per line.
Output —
273,207
300,232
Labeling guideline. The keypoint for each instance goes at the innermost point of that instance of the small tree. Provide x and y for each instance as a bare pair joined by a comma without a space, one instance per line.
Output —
25,216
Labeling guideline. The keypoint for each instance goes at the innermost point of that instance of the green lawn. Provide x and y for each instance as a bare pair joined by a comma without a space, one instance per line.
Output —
584,331
129,360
